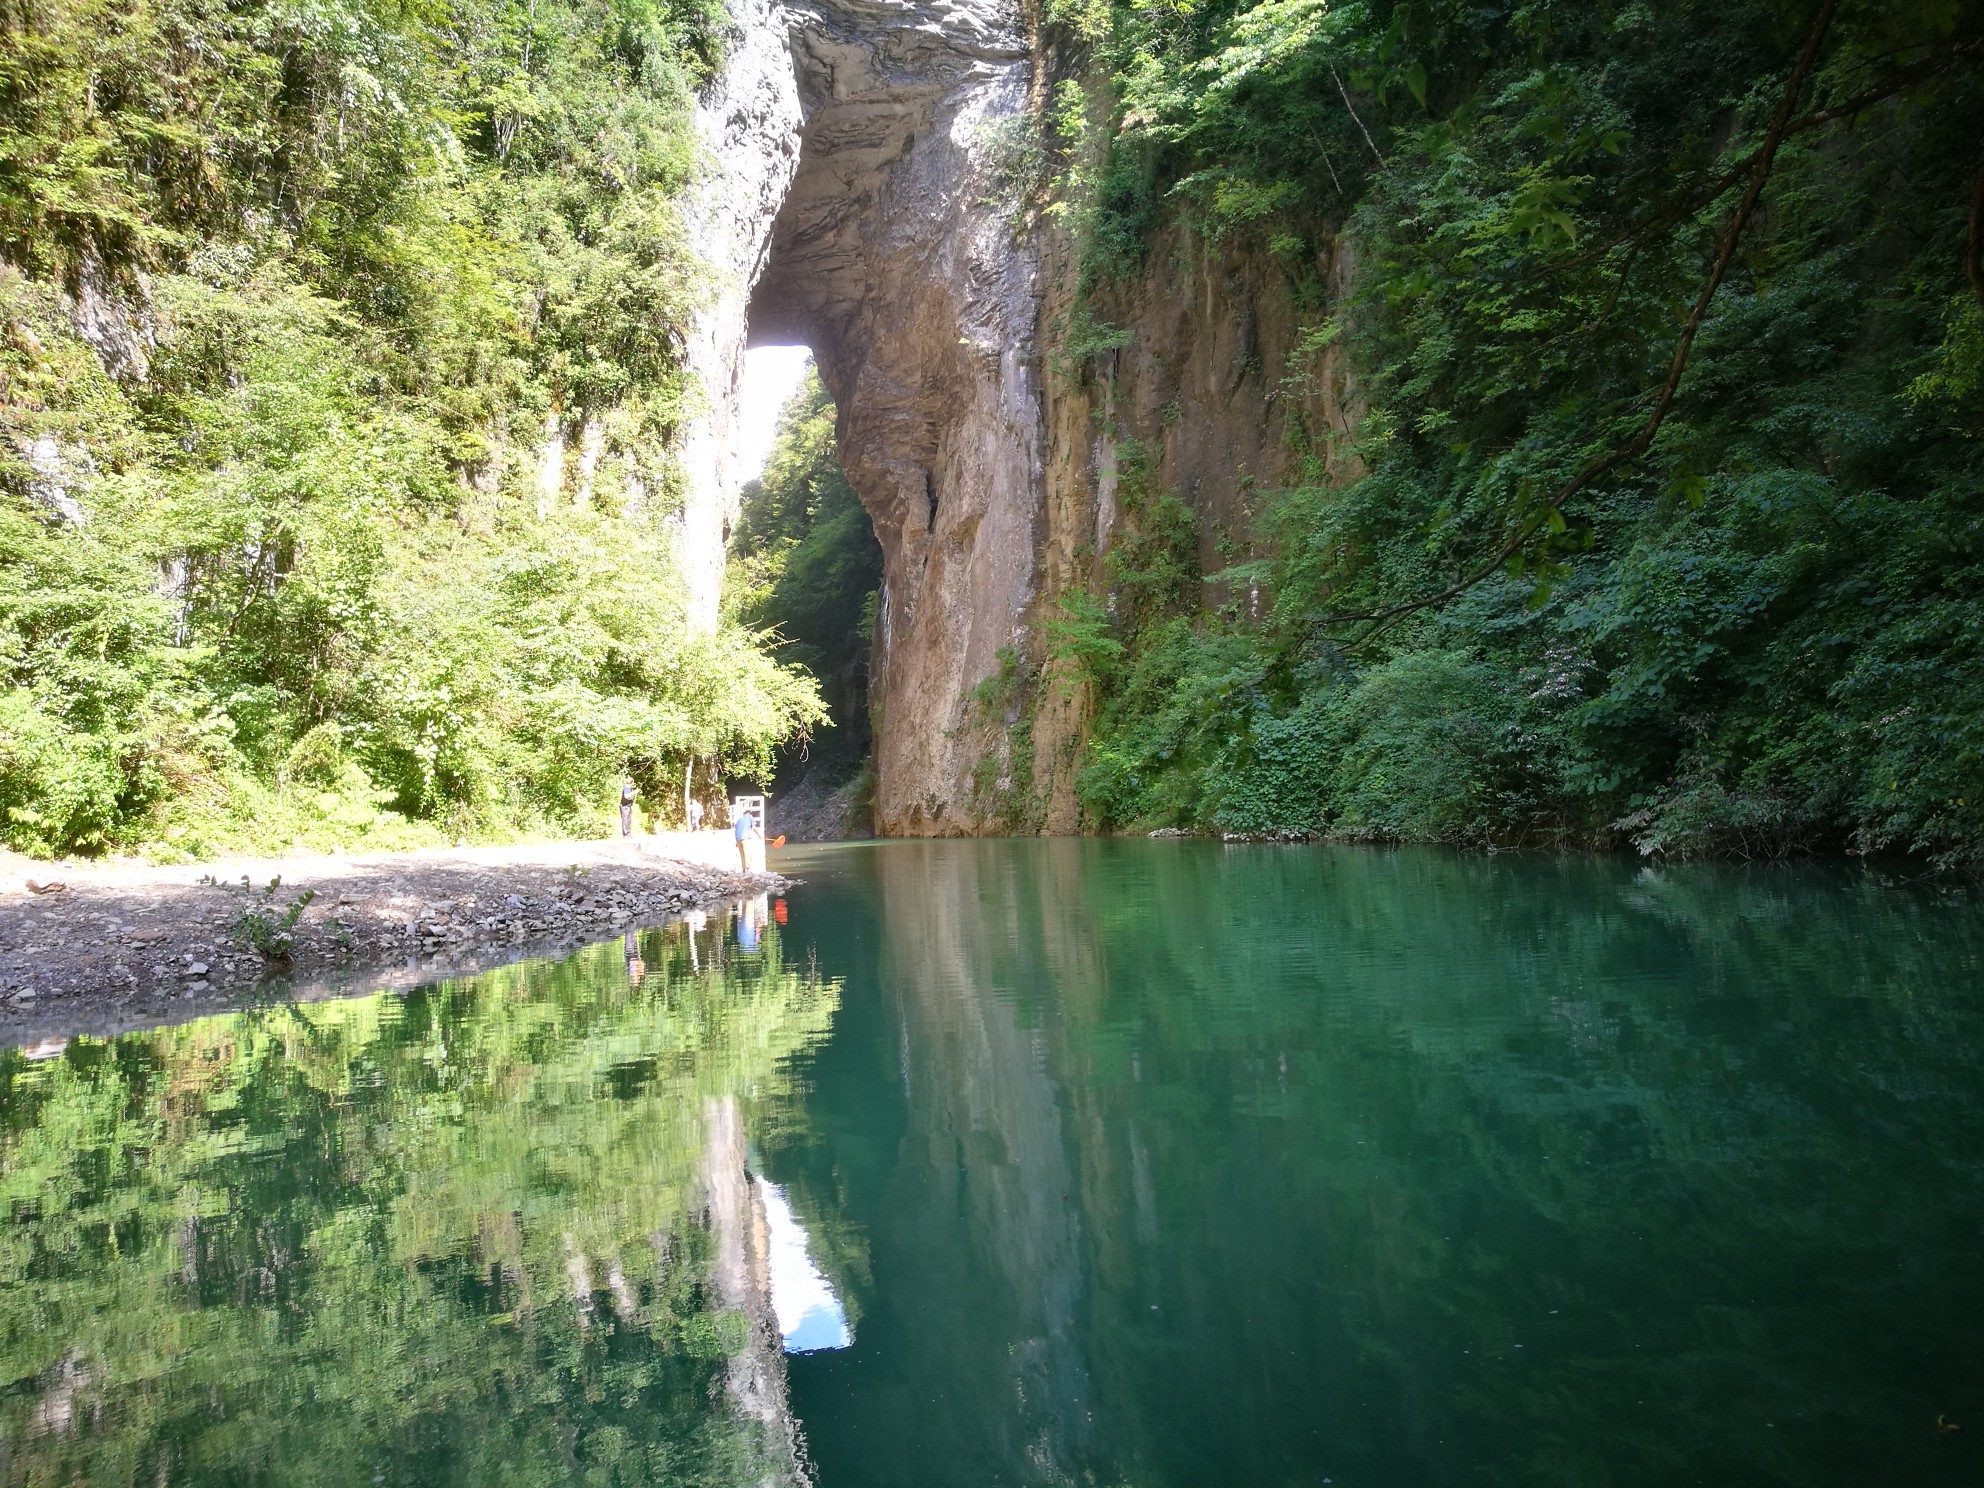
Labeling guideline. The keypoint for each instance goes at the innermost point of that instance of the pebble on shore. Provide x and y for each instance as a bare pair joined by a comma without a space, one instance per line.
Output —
137,947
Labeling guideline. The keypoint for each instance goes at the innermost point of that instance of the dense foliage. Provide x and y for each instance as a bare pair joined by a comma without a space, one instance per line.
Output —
340,371
1663,518
807,566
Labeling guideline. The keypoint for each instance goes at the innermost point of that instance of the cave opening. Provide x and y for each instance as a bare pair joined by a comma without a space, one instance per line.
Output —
805,563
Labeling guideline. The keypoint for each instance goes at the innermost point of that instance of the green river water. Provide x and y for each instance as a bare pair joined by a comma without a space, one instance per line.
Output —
1113,1163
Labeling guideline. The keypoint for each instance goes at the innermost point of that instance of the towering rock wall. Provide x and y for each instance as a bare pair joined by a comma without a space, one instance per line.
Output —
894,259
749,125
1214,396
852,207
857,205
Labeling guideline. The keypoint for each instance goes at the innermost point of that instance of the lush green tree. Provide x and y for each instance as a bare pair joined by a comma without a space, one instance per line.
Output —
806,565
291,569
1669,323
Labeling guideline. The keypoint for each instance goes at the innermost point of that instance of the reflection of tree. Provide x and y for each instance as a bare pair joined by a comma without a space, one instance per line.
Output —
466,1235
1703,1144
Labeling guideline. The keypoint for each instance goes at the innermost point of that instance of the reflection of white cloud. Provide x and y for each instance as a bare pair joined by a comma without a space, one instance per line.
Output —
809,1314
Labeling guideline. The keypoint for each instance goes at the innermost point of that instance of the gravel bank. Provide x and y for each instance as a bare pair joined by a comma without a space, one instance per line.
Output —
125,945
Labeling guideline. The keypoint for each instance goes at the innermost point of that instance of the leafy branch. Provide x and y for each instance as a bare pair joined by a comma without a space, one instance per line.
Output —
1934,65
1380,620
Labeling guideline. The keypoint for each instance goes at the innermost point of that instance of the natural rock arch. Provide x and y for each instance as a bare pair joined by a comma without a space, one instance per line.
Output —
851,207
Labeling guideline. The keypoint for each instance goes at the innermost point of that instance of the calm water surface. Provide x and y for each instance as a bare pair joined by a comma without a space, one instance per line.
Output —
1121,1164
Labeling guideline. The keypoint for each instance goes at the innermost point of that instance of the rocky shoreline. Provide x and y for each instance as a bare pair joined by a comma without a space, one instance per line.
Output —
111,951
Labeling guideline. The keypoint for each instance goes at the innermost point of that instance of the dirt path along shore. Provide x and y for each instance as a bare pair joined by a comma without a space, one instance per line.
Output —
89,946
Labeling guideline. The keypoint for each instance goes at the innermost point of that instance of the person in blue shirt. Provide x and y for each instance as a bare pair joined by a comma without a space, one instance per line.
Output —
744,829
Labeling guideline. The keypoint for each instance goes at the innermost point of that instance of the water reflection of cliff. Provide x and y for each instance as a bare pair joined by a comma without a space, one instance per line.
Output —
992,1256
1264,1166
501,1230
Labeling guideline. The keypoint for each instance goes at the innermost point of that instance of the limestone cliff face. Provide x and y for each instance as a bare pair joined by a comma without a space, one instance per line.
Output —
1216,398
850,208
894,261
749,125
856,205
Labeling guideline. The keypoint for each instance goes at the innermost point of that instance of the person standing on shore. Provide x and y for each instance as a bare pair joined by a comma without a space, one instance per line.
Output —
627,794
745,828
695,815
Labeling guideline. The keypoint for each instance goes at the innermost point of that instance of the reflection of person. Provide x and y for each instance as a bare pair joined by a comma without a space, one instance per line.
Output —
627,807
750,922
636,967
746,830
695,815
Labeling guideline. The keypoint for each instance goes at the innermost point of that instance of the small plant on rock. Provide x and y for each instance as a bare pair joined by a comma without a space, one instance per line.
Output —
267,930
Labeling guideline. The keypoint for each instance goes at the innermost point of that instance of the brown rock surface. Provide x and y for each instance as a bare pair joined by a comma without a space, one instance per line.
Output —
858,202
854,146
1215,392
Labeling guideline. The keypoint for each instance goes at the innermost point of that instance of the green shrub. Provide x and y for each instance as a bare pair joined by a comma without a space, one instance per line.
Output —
59,787
1429,751
293,580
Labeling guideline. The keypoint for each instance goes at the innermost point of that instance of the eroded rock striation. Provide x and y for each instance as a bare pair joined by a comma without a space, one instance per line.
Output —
853,208
858,204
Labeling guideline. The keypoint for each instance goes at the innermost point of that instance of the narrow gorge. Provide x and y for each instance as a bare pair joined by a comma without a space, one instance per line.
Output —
1291,419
